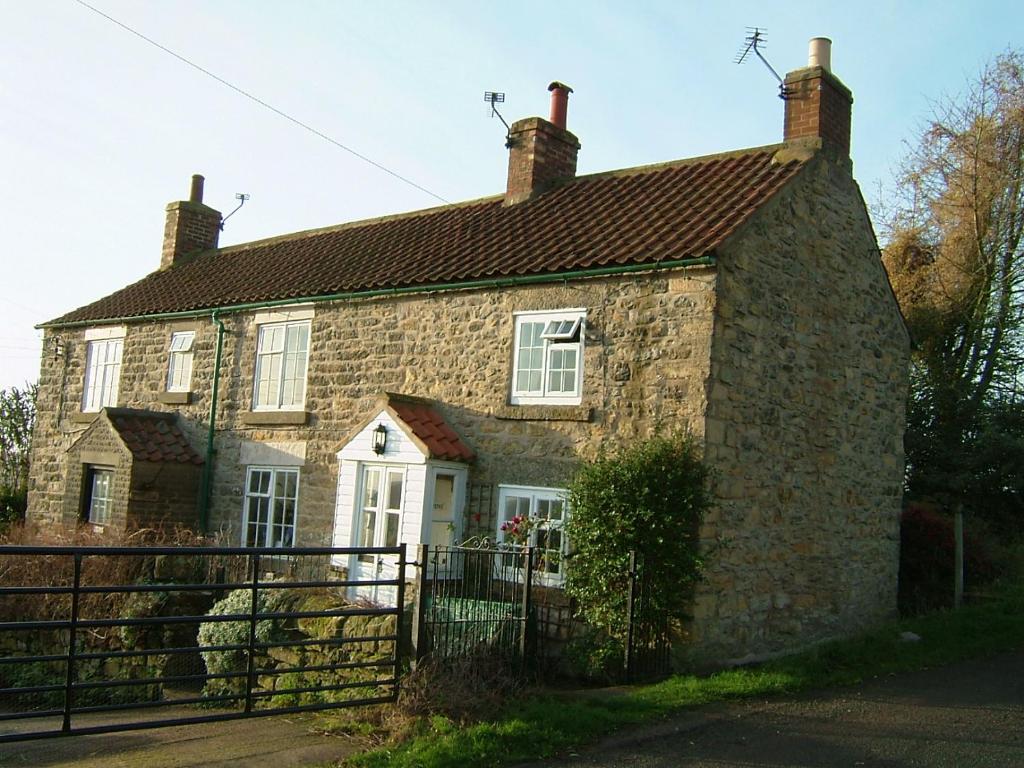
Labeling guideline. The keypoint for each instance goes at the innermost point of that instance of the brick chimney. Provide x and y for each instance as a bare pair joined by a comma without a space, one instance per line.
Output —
191,226
542,153
818,105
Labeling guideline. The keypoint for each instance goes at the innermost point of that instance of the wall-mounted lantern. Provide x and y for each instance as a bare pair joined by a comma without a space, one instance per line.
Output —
380,439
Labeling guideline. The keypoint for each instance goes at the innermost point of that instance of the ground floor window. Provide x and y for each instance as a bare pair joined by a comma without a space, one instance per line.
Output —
380,509
271,502
536,517
99,482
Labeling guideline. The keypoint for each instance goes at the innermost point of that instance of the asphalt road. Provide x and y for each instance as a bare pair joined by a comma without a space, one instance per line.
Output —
970,715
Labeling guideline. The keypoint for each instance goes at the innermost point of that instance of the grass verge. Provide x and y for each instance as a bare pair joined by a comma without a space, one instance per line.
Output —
542,726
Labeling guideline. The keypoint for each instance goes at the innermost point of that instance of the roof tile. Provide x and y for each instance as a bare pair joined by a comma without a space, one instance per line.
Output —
636,216
153,436
428,425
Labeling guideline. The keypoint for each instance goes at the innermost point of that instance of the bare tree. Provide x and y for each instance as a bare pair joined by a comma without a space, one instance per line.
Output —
955,238
955,255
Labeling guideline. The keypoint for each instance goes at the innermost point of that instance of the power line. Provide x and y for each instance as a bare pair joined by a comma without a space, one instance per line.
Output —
260,101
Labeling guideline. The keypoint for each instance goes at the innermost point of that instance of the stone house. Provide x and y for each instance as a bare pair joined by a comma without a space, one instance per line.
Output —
425,376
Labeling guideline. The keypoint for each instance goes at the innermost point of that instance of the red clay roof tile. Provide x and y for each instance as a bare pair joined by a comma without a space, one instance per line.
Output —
636,216
429,426
153,436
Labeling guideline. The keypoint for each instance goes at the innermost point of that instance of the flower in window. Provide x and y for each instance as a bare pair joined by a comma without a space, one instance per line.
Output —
517,530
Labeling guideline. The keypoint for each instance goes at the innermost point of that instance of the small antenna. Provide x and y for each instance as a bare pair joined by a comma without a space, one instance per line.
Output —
241,197
495,97
754,41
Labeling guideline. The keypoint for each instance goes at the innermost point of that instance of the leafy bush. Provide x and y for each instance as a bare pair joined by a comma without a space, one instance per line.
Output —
927,555
213,633
649,498
13,501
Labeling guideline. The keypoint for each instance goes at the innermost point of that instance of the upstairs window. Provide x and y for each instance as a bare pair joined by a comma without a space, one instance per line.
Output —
102,368
282,355
548,363
179,362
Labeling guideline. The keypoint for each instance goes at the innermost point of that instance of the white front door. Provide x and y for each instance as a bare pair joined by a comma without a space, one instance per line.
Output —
444,529
378,523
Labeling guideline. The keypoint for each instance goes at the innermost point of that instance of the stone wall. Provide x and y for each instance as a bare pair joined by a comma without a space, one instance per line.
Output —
98,446
164,493
804,428
645,363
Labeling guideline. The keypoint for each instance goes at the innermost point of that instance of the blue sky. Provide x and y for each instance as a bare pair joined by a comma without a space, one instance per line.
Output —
99,130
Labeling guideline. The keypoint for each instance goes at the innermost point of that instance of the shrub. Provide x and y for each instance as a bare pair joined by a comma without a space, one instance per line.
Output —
648,498
53,570
13,501
212,633
927,555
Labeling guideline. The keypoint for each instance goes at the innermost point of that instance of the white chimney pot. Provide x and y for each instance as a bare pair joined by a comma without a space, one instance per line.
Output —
819,53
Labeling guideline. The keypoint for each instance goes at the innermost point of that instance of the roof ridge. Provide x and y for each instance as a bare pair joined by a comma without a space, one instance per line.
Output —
303,233
683,161
635,170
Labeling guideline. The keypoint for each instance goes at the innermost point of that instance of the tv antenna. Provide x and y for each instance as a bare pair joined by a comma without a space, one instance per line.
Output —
241,197
496,97
755,41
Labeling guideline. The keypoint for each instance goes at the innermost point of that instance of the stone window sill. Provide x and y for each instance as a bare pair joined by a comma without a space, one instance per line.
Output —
275,418
84,417
544,412
175,398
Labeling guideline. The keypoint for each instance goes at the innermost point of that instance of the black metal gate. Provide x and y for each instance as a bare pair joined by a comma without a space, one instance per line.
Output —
104,639
648,638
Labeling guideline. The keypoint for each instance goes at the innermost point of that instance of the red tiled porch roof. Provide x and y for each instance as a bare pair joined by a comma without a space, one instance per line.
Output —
441,441
153,436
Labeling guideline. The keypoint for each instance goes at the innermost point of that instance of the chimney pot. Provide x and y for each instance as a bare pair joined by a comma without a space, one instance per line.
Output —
191,226
196,193
819,53
818,105
542,153
559,103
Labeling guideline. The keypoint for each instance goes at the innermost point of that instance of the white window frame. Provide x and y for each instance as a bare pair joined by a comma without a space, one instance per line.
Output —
279,401
103,354
534,497
563,332
97,512
382,510
179,361
265,522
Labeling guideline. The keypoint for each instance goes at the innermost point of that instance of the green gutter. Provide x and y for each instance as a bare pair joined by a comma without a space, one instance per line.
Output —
504,282
204,499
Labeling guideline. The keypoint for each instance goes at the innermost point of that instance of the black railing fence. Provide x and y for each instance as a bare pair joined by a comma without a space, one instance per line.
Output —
473,601
498,601
102,639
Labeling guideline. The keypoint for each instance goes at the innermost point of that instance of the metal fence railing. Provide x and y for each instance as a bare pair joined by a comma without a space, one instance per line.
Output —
473,601
104,639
